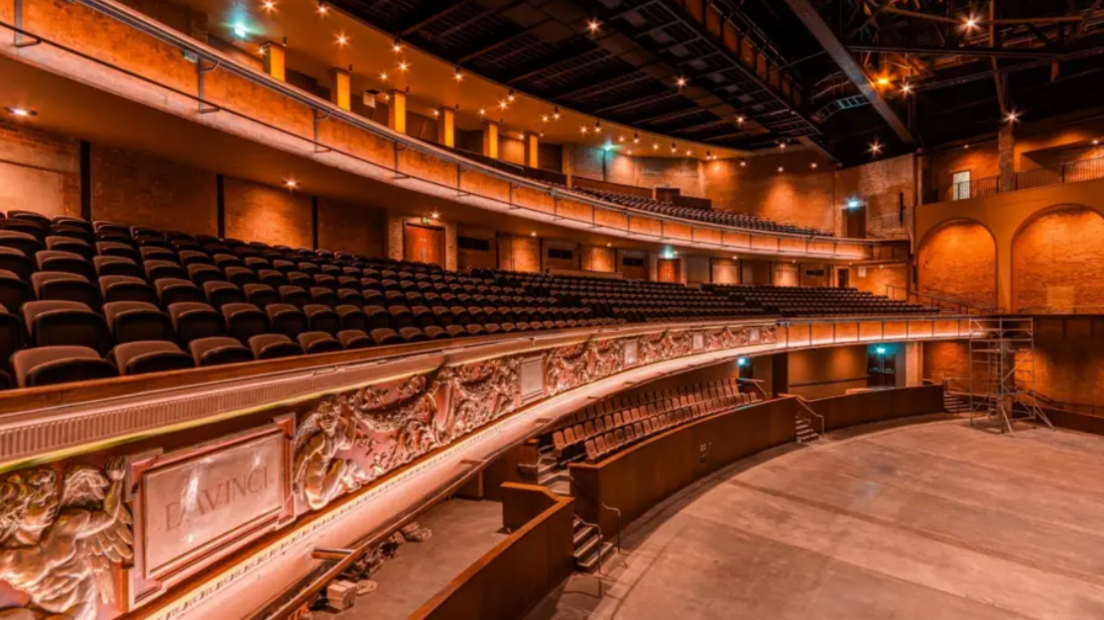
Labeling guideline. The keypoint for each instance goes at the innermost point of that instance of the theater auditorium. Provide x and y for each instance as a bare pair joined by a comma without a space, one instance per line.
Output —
551,309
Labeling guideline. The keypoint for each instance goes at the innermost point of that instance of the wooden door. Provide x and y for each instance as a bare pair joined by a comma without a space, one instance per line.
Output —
670,270
424,244
856,222
844,277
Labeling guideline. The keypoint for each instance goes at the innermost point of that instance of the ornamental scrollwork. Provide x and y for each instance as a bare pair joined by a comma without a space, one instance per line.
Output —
666,346
480,394
59,547
589,361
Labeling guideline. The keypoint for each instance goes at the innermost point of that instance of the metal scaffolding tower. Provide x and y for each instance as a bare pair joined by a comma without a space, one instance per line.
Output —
1002,372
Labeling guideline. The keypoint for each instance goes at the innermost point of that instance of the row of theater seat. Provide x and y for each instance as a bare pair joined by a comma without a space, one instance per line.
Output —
601,435
636,413
628,301
793,301
99,286
726,218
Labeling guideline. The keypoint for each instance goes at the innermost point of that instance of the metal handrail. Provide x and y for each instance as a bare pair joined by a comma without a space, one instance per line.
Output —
201,51
617,511
960,303
804,405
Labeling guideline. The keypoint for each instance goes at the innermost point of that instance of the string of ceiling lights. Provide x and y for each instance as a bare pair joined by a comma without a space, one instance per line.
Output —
403,67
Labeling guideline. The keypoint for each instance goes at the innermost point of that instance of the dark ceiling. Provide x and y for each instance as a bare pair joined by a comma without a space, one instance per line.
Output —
829,55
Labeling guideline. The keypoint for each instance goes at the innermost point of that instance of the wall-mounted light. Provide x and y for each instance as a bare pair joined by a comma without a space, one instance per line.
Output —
20,112
342,40
404,67
322,8
533,234
291,183
396,46
240,30
435,215
556,113
880,350
269,6
854,203
742,362
597,126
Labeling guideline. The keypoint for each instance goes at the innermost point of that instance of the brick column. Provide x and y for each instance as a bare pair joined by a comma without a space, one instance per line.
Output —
490,139
446,127
396,111
340,88
275,60
1006,143
567,162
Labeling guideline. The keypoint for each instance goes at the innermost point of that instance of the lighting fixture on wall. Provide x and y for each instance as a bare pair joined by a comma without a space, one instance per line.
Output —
636,138
323,9
20,112
781,170
404,66
814,165
396,46
269,5
342,40
533,234
240,31
556,113
291,183
742,362
435,215
510,97
597,126
458,75
743,163
854,203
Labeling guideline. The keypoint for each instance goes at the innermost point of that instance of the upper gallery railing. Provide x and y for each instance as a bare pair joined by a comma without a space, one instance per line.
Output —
207,60
1069,172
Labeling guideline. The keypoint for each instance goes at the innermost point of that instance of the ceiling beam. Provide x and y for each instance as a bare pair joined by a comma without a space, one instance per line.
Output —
812,19
436,15
928,50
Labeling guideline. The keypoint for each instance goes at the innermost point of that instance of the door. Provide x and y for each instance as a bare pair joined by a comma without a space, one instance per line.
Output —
844,276
960,185
424,244
856,222
882,365
670,270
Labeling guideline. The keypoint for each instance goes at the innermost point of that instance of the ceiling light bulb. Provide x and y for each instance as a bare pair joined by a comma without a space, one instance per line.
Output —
458,76
876,148
383,76
291,183
556,113
342,39
621,138
502,104
598,127
636,138
269,5
971,22
404,66
743,164
1096,142
435,215
20,112
781,169
584,129
240,31
814,165
740,119
510,97
593,25
1013,116
906,89
397,46
545,118
482,111
322,8
532,234
681,82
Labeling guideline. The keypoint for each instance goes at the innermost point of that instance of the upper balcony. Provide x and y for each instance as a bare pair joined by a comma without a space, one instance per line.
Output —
113,48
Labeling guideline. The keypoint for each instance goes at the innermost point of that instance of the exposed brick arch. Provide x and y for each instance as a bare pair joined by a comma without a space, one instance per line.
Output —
1056,258
959,258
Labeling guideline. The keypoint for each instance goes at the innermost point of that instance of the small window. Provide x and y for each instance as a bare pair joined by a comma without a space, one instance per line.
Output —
629,261
561,254
960,184
471,243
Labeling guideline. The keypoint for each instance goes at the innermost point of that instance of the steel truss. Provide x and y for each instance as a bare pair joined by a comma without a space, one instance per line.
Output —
1002,372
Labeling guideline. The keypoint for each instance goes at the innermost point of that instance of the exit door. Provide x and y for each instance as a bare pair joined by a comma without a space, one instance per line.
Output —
424,244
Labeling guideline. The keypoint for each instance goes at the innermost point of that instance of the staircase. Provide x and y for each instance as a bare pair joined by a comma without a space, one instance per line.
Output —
956,403
805,431
551,475
590,550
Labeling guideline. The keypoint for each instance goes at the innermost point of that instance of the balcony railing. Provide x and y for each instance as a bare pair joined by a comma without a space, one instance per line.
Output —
1070,172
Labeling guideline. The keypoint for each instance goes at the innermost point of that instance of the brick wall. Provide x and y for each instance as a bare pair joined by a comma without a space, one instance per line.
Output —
888,190
349,227
959,259
468,259
683,173
38,171
1055,260
274,216
1069,360
599,259
878,277
725,271
800,195
136,189
946,360
785,274
519,253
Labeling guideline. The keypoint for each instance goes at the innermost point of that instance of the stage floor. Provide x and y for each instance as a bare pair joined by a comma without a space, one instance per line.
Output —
924,520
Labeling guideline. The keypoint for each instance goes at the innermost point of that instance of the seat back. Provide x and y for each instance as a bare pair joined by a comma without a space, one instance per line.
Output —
133,321
66,323
142,357
59,364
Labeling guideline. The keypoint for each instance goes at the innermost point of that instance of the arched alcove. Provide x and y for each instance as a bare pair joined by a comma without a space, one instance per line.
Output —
959,259
1056,259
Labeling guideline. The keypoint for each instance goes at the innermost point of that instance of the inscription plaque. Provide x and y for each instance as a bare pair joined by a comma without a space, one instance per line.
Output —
195,505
